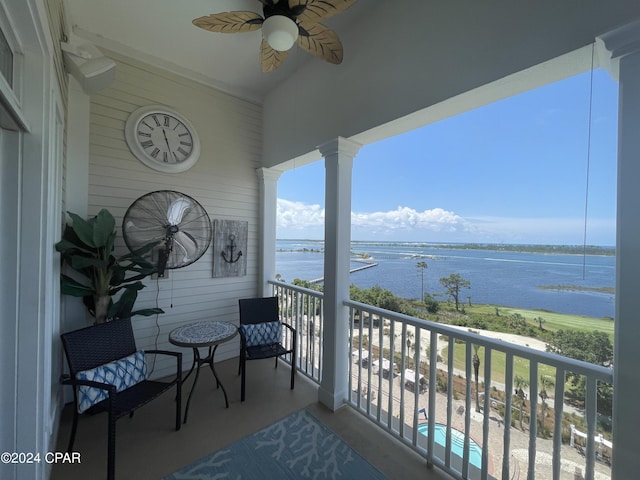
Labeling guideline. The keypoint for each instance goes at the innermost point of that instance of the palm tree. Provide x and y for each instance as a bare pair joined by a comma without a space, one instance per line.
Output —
476,368
546,382
520,383
422,266
408,342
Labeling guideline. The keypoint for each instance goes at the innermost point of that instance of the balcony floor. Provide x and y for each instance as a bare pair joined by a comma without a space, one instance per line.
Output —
149,448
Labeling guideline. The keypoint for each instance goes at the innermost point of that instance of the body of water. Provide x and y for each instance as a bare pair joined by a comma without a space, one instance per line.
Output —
497,277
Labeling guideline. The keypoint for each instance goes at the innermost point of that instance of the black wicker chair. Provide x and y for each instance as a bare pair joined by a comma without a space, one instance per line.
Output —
101,344
254,311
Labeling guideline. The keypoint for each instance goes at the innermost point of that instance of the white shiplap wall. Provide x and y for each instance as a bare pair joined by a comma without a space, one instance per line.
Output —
223,181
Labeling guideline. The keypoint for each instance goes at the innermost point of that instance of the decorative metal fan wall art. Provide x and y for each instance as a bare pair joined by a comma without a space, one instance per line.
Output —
179,224
285,22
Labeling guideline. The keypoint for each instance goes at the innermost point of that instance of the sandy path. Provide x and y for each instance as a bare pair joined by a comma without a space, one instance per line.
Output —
506,337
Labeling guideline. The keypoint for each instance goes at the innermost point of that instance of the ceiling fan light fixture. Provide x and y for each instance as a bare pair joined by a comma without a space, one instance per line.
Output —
280,32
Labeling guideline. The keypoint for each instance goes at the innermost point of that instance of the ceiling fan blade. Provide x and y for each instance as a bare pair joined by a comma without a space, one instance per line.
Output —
270,59
313,11
230,22
320,41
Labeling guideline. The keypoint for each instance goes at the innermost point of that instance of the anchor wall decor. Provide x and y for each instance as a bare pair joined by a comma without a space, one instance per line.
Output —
229,248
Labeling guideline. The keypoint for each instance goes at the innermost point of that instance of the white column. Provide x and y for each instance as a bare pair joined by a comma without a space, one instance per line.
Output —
76,199
621,55
338,155
268,209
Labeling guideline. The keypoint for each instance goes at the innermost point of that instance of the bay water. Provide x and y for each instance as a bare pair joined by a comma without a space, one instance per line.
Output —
505,278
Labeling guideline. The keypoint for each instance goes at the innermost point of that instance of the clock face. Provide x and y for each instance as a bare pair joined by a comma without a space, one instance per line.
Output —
162,139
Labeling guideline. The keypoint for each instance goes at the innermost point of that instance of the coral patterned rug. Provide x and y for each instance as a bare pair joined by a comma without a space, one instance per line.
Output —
296,447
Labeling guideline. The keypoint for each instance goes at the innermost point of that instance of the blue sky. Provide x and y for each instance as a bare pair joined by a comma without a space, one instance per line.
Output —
511,172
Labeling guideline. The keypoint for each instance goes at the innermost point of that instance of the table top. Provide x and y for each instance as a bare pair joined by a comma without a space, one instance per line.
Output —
203,334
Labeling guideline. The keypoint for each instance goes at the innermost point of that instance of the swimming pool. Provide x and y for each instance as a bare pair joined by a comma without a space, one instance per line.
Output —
457,442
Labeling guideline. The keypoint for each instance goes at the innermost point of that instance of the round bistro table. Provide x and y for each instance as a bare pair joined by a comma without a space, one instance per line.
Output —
207,334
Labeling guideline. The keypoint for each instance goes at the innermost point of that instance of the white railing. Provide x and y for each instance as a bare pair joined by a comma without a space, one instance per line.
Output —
404,371
390,351
302,308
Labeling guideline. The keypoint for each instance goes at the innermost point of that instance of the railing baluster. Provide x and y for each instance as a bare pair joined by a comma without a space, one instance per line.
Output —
533,418
380,368
450,371
508,386
306,318
351,349
360,345
296,312
487,411
392,353
467,413
591,414
369,364
403,379
416,386
433,386
320,343
558,406
313,301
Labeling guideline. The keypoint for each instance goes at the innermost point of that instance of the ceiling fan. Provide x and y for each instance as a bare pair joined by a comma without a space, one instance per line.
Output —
285,22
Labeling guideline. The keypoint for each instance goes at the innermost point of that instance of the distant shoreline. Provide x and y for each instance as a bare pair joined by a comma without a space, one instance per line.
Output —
519,248
578,288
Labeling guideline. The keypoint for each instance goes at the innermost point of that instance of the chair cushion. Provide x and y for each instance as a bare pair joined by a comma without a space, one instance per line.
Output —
266,333
122,373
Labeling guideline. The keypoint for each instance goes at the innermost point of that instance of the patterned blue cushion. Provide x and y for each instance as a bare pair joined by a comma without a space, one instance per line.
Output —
262,333
122,373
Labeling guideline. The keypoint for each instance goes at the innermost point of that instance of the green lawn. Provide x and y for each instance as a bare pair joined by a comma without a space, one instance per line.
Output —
552,320
498,364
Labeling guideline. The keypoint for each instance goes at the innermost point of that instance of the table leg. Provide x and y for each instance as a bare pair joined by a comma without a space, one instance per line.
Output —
196,359
218,383
190,370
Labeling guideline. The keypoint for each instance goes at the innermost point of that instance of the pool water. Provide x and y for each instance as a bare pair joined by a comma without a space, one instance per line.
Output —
457,442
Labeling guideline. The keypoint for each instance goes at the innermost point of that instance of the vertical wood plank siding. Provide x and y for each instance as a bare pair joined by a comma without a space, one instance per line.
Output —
223,181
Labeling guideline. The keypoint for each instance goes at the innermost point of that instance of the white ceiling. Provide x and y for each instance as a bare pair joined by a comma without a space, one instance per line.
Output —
161,31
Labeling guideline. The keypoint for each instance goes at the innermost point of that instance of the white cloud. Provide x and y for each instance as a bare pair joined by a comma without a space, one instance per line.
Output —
299,220
405,223
298,215
295,219
405,217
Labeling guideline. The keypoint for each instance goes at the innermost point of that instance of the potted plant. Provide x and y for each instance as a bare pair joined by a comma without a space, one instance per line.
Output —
87,247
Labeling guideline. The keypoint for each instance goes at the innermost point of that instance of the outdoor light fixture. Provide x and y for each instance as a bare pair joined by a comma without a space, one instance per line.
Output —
280,32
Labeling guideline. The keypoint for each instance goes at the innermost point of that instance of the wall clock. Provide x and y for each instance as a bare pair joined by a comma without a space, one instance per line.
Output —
162,139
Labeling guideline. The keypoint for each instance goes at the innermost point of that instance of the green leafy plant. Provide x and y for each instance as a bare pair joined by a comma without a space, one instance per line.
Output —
87,247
